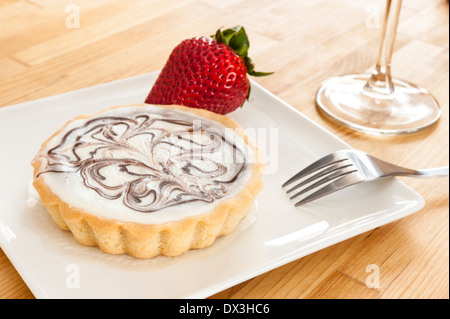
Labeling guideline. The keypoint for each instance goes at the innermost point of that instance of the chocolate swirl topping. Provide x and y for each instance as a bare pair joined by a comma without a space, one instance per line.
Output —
148,161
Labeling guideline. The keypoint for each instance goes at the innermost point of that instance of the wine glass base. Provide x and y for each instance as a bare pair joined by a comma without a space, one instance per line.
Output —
409,109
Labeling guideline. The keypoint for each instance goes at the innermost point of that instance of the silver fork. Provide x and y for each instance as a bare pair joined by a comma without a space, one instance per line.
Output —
345,168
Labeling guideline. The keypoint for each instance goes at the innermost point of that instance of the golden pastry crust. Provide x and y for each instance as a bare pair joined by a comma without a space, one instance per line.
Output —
146,240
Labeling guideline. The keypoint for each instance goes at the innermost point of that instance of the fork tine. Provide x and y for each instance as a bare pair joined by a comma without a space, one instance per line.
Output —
328,178
321,163
344,181
326,171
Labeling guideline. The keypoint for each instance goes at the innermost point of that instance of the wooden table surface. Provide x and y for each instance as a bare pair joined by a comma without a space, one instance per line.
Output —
44,52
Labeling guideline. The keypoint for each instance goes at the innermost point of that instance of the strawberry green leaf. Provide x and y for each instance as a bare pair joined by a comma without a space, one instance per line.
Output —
243,51
239,42
220,37
248,92
249,64
254,73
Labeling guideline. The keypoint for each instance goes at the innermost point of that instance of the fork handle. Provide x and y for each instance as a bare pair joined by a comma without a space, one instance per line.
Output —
430,172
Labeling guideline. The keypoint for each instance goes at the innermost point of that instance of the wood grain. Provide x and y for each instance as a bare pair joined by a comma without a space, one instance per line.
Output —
304,42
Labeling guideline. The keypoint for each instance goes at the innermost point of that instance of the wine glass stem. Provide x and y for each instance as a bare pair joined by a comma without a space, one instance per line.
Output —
380,81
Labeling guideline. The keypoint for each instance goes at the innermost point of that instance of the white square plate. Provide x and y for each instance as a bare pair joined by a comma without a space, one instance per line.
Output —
54,265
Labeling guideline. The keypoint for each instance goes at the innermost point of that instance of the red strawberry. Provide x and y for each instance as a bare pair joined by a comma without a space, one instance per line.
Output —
207,72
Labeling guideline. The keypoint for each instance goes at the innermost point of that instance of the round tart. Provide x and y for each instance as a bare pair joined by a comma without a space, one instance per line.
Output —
148,179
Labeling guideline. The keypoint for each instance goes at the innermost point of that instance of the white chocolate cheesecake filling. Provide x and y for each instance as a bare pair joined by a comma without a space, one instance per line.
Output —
145,164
